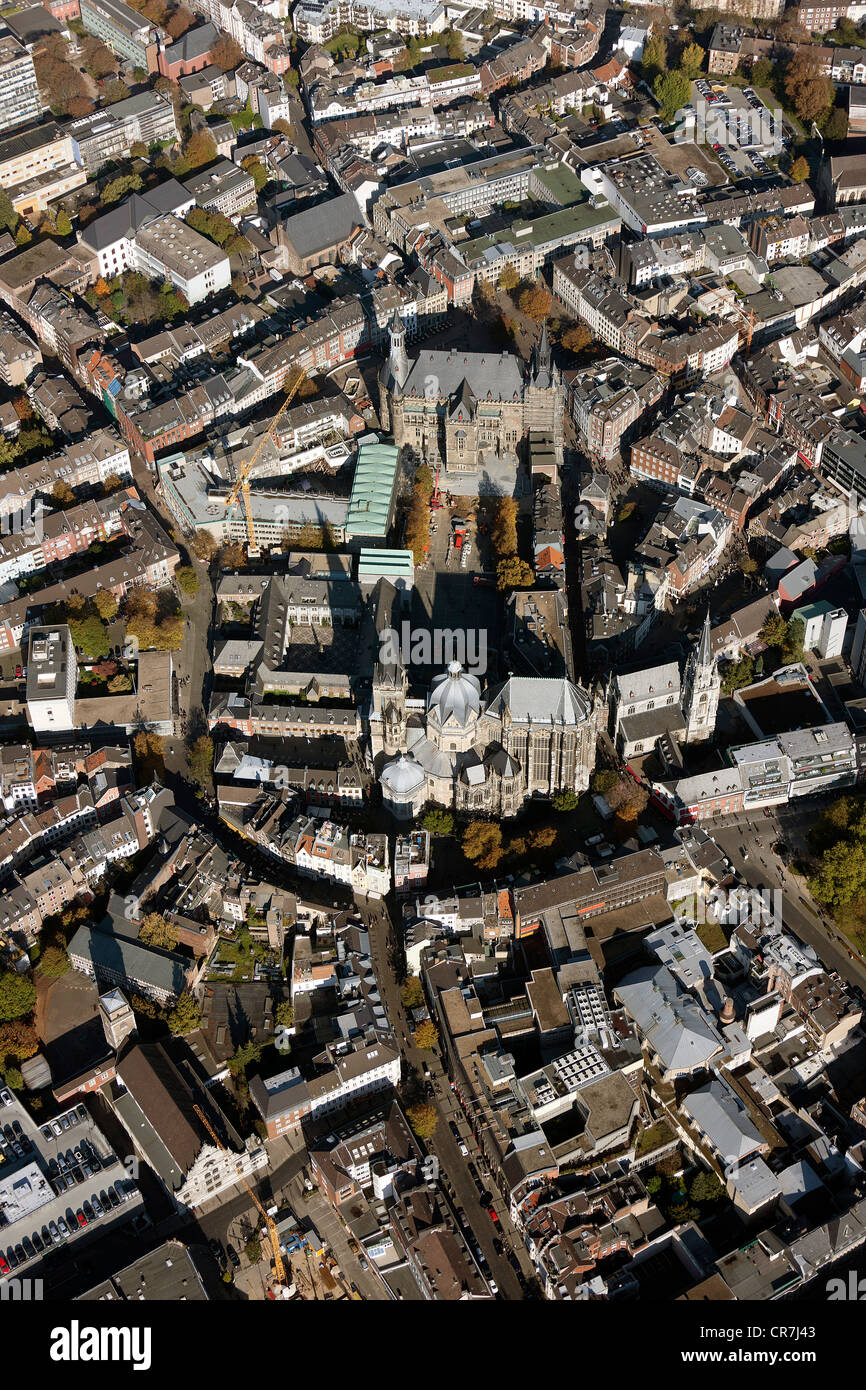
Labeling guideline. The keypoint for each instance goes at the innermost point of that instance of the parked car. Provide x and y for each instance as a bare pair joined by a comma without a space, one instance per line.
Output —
233,1256
80,1217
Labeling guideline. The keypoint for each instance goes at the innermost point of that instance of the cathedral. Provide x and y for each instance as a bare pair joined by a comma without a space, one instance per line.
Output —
657,708
467,410
478,751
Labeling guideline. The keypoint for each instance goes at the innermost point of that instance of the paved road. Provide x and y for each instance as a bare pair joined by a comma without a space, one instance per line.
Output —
760,867
457,1180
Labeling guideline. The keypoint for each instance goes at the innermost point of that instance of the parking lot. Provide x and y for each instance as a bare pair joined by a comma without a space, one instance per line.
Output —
739,128
59,1181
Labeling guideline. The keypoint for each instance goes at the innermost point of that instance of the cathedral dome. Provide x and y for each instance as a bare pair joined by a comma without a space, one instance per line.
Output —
402,777
455,697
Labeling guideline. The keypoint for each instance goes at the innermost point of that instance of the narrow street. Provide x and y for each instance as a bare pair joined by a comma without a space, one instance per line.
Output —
454,1169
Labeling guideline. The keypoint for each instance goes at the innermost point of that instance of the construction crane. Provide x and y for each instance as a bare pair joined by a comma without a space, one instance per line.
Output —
279,1267
242,482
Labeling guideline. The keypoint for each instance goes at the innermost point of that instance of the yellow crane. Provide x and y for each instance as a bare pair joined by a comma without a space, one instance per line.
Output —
242,482
279,1267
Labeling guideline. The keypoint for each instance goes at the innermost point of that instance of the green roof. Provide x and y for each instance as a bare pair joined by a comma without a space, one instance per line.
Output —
562,184
539,232
813,610
450,71
399,562
372,490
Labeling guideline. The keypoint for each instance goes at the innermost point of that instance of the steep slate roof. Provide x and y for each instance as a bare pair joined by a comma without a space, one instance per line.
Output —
488,375
541,699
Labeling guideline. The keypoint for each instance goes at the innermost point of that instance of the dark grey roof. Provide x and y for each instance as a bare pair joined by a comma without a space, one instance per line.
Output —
195,43
133,214
489,375
317,228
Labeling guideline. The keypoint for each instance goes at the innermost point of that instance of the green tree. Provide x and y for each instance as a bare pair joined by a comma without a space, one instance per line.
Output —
692,60
424,1119
54,962
256,168
438,821
90,635
774,630
792,645
63,224
185,1017
671,91
837,126
156,931
763,73
655,57
22,236
285,1014
246,1055
705,1187
17,995
736,674
566,801
187,580
8,215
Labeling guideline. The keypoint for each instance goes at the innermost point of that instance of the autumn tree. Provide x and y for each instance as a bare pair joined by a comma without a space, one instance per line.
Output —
576,337
535,302
156,931
426,1036
482,843
806,87
509,279
106,605
412,993
542,837
503,528
226,53
62,494
200,759
19,1040
179,22
200,149
513,573
204,547
799,170
424,1119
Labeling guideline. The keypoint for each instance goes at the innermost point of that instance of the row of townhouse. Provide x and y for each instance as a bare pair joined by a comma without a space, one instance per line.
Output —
615,319
259,34
314,847
87,464
328,100
150,567
45,538
770,772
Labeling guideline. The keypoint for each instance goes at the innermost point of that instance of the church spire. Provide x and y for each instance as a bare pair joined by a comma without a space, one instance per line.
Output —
705,647
397,358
